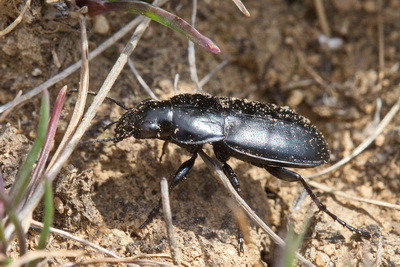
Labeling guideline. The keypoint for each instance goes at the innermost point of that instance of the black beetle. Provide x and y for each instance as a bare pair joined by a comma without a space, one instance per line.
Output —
264,135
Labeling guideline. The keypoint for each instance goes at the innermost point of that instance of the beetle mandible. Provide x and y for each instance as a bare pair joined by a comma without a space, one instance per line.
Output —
264,135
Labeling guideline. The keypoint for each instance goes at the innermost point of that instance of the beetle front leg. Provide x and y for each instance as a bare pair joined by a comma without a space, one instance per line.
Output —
291,176
178,177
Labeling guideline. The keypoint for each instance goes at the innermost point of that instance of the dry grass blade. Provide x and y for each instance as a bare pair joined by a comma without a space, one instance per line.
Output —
134,261
78,239
13,103
381,42
142,82
17,20
219,174
379,252
168,220
336,192
209,75
71,69
241,7
313,73
69,148
176,83
37,254
319,6
83,91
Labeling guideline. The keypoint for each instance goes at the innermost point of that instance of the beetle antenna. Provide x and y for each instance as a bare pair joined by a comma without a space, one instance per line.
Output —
104,140
107,97
110,124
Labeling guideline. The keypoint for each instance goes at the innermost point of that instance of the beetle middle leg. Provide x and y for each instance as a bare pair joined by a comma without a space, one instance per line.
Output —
223,157
178,177
291,176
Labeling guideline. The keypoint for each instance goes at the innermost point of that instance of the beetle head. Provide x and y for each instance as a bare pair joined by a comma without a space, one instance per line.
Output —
150,119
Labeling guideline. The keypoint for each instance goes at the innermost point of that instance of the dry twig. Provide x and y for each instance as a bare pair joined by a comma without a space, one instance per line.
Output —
37,254
142,82
8,111
17,20
78,239
381,42
168,221
82,96
319,6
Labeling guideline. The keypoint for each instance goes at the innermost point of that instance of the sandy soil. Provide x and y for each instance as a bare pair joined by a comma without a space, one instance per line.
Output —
274,56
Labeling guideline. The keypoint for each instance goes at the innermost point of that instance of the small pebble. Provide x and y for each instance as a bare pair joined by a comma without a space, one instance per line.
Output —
380,140
366,191
36,72
101,25
370,6
296,97
58,205
322,259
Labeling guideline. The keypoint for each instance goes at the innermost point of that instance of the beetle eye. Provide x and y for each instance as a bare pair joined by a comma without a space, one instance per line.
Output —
149,129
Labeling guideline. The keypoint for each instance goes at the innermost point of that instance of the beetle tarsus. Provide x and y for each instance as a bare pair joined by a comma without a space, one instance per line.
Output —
240,241
151,216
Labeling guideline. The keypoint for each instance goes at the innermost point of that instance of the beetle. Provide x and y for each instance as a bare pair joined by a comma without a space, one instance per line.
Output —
264,135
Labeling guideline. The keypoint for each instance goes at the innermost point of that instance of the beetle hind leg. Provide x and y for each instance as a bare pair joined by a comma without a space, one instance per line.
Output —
178,177
291,176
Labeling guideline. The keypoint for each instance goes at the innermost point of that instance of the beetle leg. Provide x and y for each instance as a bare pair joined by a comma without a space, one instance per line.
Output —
230,173
164,150
223,156
284,174
290,176
178,177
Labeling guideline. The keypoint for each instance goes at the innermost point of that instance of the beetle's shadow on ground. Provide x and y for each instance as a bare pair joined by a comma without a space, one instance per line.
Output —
199,204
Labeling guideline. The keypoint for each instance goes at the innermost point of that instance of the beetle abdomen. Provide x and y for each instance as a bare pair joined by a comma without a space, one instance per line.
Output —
264,140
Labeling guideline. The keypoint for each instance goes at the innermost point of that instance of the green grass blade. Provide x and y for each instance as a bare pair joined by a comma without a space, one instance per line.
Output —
96,7
47,219
10,211
48,142
47,216
21,182
293,243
